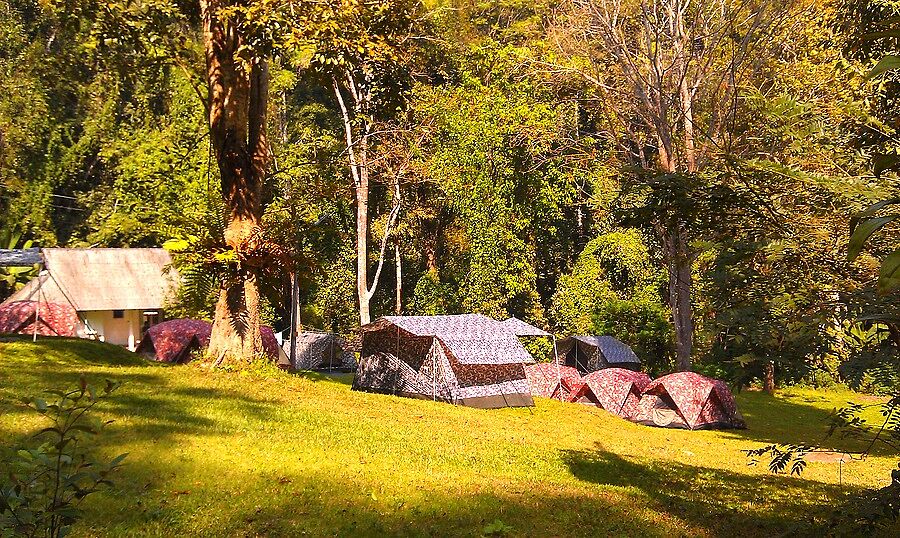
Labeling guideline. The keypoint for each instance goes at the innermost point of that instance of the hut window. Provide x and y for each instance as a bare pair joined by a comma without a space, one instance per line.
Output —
118,314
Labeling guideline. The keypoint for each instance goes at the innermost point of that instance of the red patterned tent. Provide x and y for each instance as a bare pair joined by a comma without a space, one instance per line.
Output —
544,379
174,340
616,389
49,319
688,400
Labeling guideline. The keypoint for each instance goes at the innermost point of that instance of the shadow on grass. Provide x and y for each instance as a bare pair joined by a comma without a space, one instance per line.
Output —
626,499
771,419
712,498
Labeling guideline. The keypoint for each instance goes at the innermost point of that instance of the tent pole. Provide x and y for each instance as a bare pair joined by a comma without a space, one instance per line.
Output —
558,369
295,300
37,310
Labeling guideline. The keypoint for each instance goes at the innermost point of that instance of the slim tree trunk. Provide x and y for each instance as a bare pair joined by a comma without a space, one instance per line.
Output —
769,381
362,246
679,268
398,309
237,116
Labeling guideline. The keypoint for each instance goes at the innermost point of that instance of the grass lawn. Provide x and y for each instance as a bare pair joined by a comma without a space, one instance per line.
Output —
219,453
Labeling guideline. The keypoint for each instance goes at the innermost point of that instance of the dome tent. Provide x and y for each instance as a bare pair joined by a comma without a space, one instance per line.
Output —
175,340
318,351
616,390
44,318
592,353
688,400
550,380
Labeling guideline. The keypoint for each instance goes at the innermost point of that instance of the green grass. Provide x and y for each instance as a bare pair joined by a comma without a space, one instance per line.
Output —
219,453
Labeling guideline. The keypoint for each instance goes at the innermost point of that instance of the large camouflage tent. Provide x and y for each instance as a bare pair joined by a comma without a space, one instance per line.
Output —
690,401
318,351
44,318
592,353
464,359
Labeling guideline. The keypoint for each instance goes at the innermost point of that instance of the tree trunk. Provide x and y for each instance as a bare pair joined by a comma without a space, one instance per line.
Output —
769,381
237,116
362,246
398,309
679,268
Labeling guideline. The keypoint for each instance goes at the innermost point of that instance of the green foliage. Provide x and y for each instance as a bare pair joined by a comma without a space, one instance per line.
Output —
46,485
643,324
612,267
430,296
13,279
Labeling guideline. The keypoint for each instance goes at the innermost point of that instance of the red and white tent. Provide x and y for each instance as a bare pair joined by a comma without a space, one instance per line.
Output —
688,400
44,319
552,381
616,390
174,340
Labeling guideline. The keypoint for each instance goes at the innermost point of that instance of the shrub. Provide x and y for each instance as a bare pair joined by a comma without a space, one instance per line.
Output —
46,485
642,324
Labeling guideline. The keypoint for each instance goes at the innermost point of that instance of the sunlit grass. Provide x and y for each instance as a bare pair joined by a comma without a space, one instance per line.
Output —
221,453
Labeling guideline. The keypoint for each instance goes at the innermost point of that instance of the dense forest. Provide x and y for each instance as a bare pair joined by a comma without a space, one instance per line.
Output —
682,175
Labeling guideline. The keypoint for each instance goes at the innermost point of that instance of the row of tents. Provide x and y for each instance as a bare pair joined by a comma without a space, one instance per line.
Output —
680,400
476,361
466,359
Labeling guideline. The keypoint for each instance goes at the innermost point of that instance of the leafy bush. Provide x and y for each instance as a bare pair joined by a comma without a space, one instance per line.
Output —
642,324
46,485
613,266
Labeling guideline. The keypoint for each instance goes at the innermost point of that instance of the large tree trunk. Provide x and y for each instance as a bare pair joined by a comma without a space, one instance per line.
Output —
237,116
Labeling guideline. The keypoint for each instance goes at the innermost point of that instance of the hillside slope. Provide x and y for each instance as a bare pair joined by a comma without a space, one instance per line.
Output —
225,453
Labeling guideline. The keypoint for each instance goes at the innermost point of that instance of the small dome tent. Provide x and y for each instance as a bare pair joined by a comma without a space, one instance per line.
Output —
175,340
592,353
318,351
550,380
617,390
43,319
688,400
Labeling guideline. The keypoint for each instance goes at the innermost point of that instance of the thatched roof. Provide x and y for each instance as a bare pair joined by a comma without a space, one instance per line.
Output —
102,279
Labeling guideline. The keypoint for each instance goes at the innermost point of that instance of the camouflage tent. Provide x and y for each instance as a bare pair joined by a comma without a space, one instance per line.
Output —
465,359
592,353
690,401
318,351
615,389
45,319
552,381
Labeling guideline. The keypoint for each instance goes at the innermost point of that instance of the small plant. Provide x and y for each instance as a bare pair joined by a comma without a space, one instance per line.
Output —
45,486
497,528
873,508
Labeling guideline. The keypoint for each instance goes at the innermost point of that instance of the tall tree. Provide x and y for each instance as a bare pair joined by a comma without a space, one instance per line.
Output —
366,56
670,72
237,81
